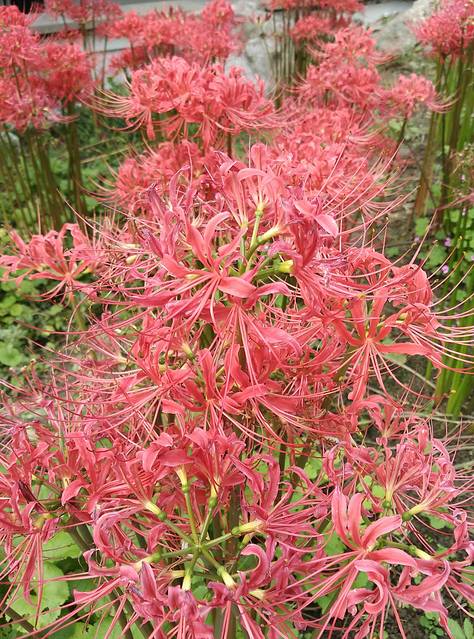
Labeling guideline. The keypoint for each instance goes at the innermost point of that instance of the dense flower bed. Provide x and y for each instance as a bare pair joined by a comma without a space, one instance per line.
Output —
228,442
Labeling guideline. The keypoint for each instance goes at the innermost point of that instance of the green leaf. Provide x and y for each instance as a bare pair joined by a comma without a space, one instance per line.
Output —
93,631
55,309
392,251
436,256
313,467
201,592
8,301
468,629
82,585
18,310
61,546
399,358
378,491
334,545
7,632
53,595
75,631
100,630
361,580
456,630
10,356
432,615
421,224
425,622
437,523
27,287
324,602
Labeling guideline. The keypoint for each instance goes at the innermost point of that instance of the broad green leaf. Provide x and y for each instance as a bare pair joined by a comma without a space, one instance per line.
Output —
421,224
18,310
99,630
94,631
378,491
55,309
425,622
398,358
334,545
436,256
75,631
313,467
468,629
8,301
361,580
437,523
9,355
82,585
61,546
54,594
324,602
456,630
201,592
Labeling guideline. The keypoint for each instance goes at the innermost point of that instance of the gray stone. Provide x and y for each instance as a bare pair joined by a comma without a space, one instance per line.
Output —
373,13
254,60
247,8
394,34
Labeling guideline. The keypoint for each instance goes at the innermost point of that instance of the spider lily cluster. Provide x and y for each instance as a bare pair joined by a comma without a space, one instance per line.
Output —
228,437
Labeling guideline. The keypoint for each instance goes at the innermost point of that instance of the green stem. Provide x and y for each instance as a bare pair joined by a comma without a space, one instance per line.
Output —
221,571
209,516
75,170
430,153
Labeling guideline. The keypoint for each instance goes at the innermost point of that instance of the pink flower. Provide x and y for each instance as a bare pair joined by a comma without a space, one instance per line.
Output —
184,94
449,30
410,92
46,257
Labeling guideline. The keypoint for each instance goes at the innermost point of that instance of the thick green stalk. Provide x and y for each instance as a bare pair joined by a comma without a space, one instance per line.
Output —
75,171
23,180
463,387
57,207
453,132
430,155
47,210
9,179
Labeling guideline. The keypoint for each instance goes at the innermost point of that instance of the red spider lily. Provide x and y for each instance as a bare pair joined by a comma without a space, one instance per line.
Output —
37,78
448,30
409,92
310,28
69,71
46,257
273,509
85,11
347,519
211,441
138,177
179,609
19,43
30,106
204,38
188,94
375,602
369,347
